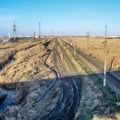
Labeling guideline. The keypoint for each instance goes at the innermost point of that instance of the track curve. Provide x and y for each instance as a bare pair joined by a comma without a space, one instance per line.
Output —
69,99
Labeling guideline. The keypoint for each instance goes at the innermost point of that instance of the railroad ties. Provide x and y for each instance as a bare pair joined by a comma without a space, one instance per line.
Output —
69,99
68,102
113,80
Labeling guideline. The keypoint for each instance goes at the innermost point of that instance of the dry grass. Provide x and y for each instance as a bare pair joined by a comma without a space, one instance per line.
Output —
28,65
93,105
95,48
29,78
101,118
27,73
8,49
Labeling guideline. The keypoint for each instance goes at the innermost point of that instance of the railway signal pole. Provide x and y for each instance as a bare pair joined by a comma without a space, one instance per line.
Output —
105,56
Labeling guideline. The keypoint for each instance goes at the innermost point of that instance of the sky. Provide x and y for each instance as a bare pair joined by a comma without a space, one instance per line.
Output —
61,17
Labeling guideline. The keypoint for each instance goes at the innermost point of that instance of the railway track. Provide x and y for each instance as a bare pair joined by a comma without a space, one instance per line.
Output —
113,80
68,102
69,99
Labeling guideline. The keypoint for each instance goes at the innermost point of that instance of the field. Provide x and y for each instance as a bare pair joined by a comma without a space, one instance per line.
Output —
28,68
22,66
95,48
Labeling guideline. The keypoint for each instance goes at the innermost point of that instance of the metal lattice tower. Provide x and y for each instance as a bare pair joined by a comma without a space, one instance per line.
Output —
14,30
39,30
34,35
88,34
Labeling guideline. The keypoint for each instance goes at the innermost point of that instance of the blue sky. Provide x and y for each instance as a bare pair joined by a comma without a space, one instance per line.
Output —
65,17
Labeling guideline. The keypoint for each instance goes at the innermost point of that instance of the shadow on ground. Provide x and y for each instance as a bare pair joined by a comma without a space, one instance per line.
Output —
96,100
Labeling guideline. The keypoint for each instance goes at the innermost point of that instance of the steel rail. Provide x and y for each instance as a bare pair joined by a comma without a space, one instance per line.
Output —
68,101
113,79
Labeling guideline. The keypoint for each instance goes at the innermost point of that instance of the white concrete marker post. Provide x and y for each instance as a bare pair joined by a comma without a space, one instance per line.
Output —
105,56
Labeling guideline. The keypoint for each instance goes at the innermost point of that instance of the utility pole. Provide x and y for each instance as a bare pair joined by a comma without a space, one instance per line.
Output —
105,56
53,33
39,30
88,34
14,30
9,36
34,35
